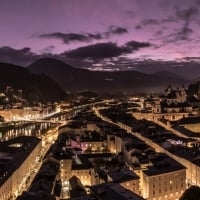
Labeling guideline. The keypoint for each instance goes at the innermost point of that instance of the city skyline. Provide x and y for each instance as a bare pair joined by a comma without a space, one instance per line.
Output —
101,33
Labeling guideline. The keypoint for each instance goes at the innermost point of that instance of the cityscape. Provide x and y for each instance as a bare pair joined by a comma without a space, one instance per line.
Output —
99,100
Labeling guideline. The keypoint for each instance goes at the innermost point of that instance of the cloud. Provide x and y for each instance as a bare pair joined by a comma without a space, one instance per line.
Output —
85,37
184,33
157,25
101,50
117,30
138,27
187,15
134,45
25,56
70,37
153,22
191,59
105,50
159,32
48,49
17,56
180,35
146,22
184,19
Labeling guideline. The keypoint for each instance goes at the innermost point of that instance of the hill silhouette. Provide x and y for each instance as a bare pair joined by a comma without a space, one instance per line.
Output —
34,87
75,79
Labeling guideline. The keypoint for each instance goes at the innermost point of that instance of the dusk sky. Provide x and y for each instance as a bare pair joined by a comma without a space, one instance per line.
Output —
96,31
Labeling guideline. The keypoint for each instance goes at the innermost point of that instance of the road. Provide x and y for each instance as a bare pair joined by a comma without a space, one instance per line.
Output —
47,140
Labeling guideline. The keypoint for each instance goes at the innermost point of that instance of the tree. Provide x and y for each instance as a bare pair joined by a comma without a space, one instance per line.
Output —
193,193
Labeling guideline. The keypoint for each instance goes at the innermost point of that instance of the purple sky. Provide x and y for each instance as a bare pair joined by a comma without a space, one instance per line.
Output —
106,30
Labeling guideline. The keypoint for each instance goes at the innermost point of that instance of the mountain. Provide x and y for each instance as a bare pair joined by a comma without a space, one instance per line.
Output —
167,74
34,87
75,79
187,70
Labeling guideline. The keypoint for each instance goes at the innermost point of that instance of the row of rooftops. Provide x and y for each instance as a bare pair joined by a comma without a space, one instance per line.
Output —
60,151
170,164
160,135
108,191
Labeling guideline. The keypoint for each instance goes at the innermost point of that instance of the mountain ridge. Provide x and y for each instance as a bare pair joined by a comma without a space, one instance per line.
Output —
75,79
35,87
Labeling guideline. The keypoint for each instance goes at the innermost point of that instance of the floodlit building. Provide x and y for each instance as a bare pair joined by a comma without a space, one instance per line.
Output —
126,178
17,157
164,180
108,191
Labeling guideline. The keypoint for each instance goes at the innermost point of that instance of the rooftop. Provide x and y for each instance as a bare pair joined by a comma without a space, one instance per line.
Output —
108,191
81,162
13,155
122,175
162,165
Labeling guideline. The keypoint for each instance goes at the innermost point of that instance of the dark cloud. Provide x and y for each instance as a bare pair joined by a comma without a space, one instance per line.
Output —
195,59
155,22
85,37
17,56
138,27
105,50
101,50
168,20
25,56
150,22
117,30
180,35
187,15
70,37
159,32
184,33
134,45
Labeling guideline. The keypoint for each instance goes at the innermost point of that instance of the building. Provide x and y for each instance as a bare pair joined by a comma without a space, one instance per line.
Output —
108,191
17,158
164,180
191,124
126,178
46,184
